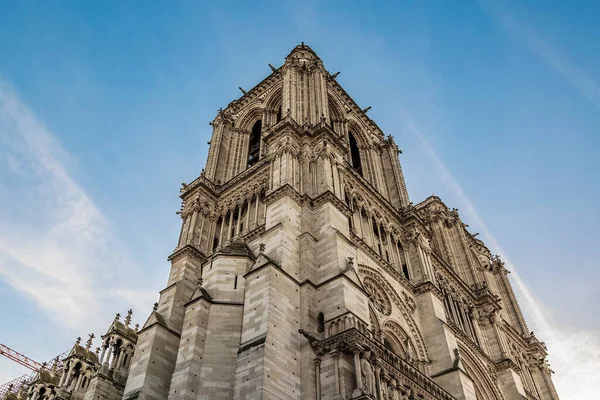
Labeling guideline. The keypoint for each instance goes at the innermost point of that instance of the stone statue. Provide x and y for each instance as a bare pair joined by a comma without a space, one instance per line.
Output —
393,392
368,375
410,354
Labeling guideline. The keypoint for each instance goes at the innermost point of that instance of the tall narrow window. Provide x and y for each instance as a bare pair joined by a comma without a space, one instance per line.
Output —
355,154
254,145
279,114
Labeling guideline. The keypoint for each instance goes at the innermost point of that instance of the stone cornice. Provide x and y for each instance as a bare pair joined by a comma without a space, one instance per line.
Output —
215,190
429,287
187,251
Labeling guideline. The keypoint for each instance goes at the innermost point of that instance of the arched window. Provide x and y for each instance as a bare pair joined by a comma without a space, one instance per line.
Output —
254,145
355,154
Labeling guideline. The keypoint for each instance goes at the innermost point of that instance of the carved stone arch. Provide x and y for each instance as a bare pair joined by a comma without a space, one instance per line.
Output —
249,116
274,98
393,329
336,113
359,131
366,271
485,386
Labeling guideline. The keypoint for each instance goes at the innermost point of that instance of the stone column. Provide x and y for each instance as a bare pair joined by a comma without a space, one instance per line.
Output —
239,221
78,383
335,355
221,231
201,230
256,210
317,362
360,219
378,379
230,224
190,235
248,216
120,359
359,383
370,228
380,238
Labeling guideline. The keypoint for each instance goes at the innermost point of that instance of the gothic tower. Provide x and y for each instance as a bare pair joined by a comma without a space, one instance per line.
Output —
303,271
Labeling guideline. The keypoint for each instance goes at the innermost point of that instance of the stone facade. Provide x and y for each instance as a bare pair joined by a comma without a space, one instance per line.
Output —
303,271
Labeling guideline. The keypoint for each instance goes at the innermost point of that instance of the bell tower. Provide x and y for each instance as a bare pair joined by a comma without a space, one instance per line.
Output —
303,271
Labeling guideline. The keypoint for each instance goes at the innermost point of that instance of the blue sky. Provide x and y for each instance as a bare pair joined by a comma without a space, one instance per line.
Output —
104,111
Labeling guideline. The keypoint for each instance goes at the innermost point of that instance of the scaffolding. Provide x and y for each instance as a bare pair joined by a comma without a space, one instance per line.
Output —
14,386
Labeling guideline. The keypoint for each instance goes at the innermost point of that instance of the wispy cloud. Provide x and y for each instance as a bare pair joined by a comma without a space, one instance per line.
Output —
549,53
575,356
55,244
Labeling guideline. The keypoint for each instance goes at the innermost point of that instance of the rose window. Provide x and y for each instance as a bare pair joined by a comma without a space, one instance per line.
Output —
377,296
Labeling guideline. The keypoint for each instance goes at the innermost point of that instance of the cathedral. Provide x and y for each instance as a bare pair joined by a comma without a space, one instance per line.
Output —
304,271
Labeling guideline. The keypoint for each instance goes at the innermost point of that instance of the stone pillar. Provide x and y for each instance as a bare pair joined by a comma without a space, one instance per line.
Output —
190,235
378,380
256,209
359,383
317,362
335,355
248,216
221,230
230,224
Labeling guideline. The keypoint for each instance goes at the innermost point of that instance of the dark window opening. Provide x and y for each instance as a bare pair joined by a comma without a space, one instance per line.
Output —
217,233
235,282
405,271
254,145
388,345
320,323
279,114
375,230
355,154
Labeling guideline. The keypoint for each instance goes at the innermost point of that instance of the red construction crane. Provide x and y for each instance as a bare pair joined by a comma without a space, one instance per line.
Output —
20,358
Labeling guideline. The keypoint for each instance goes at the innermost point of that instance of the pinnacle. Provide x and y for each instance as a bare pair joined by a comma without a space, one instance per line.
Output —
303,51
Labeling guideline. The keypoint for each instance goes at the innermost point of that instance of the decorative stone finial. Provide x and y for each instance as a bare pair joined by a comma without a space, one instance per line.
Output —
117,316
88,344
350,262
199,282
261,248
78,341
97,351
137,327
155,307
128,317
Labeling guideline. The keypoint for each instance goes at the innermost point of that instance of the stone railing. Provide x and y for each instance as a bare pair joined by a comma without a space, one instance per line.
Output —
389,367
345,322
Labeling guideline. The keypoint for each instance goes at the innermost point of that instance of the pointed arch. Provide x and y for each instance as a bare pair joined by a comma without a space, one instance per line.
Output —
397,337
254,143
274,104
485,388
355,159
